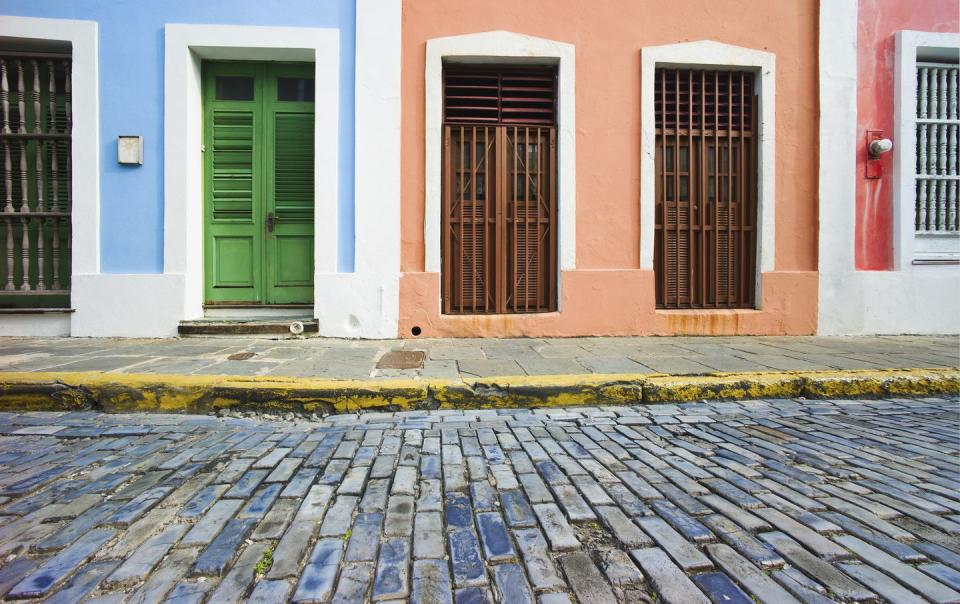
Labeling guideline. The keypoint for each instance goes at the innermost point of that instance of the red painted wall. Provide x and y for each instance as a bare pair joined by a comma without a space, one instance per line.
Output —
878,21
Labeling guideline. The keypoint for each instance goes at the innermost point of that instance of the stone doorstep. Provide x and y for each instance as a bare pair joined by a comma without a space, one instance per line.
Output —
253,326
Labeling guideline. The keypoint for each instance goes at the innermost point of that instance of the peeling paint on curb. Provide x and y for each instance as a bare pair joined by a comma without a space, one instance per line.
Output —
124,393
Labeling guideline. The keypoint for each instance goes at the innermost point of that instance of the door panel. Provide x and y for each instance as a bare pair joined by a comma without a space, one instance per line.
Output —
258,185
529,230
233,202
293,261
470,209
235,261
290,121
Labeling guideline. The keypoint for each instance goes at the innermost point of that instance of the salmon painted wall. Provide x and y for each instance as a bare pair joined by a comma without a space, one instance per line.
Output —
608,293
878,21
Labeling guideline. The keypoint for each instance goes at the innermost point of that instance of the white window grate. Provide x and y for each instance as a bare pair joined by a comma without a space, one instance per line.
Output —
937,179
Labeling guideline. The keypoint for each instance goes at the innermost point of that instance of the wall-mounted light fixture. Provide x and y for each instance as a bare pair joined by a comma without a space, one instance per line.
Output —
130,150
876,147
879,147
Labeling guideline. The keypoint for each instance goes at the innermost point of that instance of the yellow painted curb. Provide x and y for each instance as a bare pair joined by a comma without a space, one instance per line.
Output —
854,383
878,383
540,391
672,388
119,392
124,392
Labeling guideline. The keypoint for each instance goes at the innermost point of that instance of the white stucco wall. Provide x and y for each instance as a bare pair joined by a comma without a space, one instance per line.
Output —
366,302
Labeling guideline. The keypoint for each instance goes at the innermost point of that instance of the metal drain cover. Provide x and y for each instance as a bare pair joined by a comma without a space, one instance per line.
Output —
401,359
241,356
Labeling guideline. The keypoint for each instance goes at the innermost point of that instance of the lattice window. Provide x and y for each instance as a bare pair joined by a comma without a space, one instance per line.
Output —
35,187
937,178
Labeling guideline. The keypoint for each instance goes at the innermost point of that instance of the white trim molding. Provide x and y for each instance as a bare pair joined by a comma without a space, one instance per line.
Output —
185,47
501,47
366,303
838,138
919,299
910,44
838,167
85,170
710,54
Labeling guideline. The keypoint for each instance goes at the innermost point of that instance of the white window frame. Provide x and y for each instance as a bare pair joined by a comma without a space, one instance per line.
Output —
906,243
711,55
85,167
501,47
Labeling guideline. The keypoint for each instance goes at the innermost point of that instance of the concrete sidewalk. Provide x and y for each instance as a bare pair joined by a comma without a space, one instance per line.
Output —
477,358
327,375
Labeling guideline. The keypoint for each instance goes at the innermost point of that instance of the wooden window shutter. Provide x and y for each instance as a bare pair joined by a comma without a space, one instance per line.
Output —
499,194
706,188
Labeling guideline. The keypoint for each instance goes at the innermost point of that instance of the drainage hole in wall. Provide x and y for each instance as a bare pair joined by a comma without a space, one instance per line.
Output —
416,330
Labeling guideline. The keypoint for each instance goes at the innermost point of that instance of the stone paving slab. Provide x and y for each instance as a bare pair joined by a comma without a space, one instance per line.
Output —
764,500
470,358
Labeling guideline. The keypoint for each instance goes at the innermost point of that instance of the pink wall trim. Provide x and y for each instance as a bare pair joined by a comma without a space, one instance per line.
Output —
615,303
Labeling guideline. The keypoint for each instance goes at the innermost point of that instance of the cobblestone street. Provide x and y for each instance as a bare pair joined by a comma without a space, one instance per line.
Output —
776,501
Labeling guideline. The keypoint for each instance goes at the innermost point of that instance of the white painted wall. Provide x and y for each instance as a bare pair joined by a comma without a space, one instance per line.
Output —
912,299
366,302
135,306
35,324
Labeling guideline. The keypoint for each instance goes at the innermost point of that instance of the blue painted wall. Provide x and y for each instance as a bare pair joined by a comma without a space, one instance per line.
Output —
131,102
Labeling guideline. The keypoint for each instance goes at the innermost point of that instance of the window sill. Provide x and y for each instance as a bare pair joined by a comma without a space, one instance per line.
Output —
35,311
711,311
935,262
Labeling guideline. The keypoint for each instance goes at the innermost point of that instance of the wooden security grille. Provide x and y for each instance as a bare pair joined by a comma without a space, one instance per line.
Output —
35,189
499,195
706,189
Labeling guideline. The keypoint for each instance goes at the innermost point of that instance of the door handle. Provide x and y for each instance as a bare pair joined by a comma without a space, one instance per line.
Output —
271,222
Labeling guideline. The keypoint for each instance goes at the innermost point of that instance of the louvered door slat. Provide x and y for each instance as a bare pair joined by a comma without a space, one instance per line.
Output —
233,165
293,166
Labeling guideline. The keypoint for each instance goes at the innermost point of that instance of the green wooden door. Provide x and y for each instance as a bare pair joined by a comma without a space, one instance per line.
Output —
258,183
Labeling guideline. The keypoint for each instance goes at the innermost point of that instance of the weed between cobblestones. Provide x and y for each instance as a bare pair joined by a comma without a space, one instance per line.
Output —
265,561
